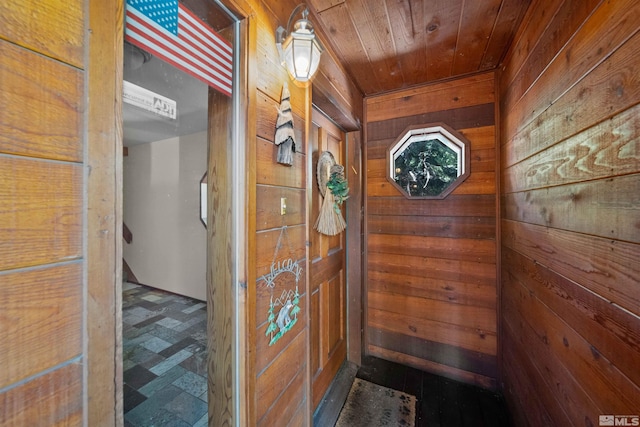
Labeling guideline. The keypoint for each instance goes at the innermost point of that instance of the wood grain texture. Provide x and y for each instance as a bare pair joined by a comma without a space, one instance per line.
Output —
529,32
616,333
327,281
431,266
266,127
103,148
473,205
472,45
333,91
454,335
439,227
460,292
40,309
268,199
342,25
272,384
478,318
354,247
567,16
609,89
569,238
607,148
40,212
220,270
441,20
611,389
459,118
247,297
605,266
397,44
557,63
54,31
437,352
434,367
476,183
47,204
52,399
581,207
271,173
284,412
41,103
268,353
475,90
433,246
292,246
509,18
526,386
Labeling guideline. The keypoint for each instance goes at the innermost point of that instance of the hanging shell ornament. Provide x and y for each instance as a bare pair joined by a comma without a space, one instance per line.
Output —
285,137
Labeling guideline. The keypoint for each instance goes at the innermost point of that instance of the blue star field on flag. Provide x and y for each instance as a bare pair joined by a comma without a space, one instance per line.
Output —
162,12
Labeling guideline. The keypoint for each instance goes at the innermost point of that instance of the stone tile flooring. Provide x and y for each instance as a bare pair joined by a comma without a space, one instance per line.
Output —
164,358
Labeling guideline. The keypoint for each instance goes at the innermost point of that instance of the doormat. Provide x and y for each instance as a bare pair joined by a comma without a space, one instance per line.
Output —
371,405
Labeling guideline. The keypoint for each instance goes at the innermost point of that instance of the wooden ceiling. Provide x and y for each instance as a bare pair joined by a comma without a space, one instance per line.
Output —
393,44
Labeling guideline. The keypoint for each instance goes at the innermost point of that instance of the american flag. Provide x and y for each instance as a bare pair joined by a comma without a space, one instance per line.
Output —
171,32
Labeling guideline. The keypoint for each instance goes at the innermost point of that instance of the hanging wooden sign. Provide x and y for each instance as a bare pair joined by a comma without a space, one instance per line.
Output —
283,310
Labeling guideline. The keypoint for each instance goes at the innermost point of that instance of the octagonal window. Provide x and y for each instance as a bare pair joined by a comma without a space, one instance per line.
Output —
428,162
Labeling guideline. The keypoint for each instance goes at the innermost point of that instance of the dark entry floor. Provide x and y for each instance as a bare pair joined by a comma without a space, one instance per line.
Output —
441,402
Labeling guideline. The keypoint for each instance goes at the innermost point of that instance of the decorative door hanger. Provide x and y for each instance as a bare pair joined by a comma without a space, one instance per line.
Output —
283,310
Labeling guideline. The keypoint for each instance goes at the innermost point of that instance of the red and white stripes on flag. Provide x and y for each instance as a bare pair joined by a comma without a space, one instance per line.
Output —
196,48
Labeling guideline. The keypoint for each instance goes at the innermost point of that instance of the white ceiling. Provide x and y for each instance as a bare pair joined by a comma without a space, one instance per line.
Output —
141,126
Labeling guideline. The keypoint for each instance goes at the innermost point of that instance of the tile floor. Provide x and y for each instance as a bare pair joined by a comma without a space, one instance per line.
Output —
164,358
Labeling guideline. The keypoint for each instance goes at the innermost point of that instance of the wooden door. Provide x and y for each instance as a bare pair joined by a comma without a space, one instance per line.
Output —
327,271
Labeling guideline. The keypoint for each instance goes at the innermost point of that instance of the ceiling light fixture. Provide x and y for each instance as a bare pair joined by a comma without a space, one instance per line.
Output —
299,49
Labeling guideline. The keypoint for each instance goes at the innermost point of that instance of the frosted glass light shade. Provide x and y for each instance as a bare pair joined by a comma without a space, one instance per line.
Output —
301,52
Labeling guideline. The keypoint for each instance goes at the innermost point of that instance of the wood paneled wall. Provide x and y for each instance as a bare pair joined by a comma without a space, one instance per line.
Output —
59,292
570,144
431,264
280,370
276,379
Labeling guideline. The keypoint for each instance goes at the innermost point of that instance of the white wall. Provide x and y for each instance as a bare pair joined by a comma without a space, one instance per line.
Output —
161,208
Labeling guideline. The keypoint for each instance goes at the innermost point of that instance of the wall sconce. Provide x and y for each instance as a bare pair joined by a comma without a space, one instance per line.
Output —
299,49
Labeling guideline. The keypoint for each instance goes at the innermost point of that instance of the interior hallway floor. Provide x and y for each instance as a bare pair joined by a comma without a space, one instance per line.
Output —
164,358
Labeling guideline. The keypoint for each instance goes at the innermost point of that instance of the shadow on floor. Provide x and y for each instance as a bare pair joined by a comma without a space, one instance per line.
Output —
441,402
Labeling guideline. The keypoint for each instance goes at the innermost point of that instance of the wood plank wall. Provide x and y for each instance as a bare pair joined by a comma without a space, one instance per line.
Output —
281,380
41,258
431,264
570,149
58,291
276,378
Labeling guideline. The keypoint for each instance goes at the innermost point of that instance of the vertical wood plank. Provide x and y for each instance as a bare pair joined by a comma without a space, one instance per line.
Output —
103,157
247,325
220,263
354,172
